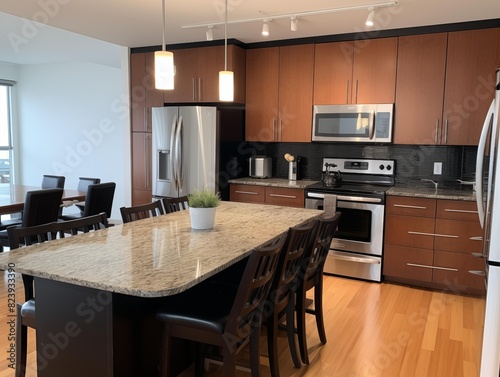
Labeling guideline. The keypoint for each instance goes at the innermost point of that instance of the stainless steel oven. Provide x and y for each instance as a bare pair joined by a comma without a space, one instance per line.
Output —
357,248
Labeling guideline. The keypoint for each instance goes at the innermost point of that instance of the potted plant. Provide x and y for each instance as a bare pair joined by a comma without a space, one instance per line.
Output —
202,206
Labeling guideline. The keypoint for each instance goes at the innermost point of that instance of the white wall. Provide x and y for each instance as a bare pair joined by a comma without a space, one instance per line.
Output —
72,120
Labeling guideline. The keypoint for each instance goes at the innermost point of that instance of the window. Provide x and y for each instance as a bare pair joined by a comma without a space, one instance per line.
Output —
5,132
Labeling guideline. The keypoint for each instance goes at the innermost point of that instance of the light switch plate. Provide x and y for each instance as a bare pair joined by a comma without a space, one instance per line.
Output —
438,168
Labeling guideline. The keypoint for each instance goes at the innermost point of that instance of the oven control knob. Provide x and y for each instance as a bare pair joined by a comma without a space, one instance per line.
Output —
389,167
381,167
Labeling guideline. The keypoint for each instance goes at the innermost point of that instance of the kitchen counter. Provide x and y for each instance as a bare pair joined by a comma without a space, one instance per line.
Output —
274,182
431,193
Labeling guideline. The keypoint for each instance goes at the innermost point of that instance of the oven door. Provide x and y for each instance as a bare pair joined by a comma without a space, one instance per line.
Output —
361,226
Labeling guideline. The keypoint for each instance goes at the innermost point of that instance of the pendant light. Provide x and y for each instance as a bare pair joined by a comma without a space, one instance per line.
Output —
164,63
226,78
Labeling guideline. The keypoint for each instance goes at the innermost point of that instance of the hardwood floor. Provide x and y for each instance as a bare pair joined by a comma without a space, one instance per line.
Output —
373,330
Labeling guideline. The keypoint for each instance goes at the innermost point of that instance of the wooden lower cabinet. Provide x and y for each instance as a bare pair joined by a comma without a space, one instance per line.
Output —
280,196
432,244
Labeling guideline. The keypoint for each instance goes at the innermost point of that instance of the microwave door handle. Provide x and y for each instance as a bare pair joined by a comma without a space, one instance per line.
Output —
371,121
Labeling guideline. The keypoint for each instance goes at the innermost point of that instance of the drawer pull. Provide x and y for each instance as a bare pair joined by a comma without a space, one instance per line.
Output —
246,192
283,196
476,238
478,255
476,272
432,234
432,267
459,210
407,206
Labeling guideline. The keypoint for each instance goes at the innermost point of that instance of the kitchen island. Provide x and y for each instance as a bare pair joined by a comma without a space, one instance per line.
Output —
96,293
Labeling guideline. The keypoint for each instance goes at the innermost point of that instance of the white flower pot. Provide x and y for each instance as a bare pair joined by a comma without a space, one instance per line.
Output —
202,218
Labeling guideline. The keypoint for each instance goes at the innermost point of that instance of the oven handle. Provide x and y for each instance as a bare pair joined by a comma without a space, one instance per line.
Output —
346,258
346,198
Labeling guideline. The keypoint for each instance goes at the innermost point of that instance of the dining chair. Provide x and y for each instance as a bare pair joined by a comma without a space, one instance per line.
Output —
26,313
142,211
280,303
311,276
222,315
53,181
99,199
83,184
175,204
40,207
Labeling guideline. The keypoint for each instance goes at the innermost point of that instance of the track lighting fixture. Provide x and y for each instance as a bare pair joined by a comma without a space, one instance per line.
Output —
293,23
265,28
371,16
210,34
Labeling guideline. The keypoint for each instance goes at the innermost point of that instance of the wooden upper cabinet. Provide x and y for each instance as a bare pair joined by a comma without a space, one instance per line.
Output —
279,93
295,93
262,94
333,73
197,74
473,56
420,88
374,70
361,71
143,93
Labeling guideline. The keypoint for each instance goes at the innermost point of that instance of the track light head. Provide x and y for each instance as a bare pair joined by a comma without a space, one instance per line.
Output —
293,23
265,28
210,34
371,16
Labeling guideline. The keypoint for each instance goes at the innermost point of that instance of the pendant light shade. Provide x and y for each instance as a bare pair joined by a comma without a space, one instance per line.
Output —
164,63
226,78
164,70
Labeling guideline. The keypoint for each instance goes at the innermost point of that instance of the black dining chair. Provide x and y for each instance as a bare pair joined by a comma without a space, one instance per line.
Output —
311,276
281,299
40,207
83,184
53,181
142,211
175,204
222,315
17,236
99,199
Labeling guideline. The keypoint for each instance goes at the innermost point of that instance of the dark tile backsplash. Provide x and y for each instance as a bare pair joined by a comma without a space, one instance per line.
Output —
412,162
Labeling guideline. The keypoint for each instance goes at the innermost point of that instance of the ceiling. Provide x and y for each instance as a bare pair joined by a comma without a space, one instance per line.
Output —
93,30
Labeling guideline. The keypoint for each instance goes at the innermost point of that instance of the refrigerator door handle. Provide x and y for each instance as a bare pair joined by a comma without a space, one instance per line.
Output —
178,151
479,163
172,152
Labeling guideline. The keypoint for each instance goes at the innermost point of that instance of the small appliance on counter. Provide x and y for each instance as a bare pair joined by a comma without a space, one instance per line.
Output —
293,167
260,167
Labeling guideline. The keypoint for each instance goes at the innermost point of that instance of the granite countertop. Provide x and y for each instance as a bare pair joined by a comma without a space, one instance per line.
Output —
159,256
428,192
274,182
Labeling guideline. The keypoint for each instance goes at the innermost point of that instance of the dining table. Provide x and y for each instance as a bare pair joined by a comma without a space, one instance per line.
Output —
12,197
97,292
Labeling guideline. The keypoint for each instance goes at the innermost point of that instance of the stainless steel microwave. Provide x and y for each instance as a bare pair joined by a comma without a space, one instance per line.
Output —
368,123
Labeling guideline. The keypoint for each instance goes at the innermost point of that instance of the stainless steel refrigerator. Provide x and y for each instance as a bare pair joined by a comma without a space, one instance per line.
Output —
488,200
196,147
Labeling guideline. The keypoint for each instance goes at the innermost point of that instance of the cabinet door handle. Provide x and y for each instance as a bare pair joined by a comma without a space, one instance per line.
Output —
437,129
356,91
479,238
194,91
246,192
281,130
199,89
432,234
347,92
147,156
476,272
145,116
283,196
274,129
478,255
432,267
459,210
408,206
446,131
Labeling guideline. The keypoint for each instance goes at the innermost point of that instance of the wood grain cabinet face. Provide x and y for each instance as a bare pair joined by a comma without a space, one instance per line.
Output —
279,93
432,241
141,168
267,195
442,93
361,71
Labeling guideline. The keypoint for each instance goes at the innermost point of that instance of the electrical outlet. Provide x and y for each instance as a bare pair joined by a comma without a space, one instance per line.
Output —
438,168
